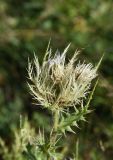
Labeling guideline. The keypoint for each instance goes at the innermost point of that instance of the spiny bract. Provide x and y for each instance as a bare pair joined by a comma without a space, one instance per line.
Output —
57,85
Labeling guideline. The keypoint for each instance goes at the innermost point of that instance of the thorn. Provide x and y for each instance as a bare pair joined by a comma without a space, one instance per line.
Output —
69,129
75,124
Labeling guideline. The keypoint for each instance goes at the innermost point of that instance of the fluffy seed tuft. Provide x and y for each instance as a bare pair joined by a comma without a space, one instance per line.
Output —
57,85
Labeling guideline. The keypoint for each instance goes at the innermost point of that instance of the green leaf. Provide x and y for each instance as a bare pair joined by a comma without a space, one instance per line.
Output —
72,120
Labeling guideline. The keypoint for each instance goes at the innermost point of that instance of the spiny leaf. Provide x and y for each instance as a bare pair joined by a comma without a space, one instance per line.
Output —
72,120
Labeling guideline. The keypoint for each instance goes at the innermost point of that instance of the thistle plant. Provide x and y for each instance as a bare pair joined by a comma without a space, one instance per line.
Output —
65,90
59,86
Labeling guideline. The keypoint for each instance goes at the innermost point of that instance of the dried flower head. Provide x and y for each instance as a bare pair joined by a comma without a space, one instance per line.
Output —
57,85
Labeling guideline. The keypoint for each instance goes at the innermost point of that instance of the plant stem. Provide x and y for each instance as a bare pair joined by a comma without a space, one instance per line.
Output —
55,126
56,119
77,144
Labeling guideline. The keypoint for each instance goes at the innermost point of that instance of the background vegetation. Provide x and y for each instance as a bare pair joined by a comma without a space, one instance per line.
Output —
26,27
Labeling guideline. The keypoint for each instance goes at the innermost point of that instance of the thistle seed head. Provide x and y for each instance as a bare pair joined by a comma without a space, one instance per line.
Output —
57,85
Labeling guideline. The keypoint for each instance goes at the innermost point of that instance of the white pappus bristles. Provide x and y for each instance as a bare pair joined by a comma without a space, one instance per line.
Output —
57,85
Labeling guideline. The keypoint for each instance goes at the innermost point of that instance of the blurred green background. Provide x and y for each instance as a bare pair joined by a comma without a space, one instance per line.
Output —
26,27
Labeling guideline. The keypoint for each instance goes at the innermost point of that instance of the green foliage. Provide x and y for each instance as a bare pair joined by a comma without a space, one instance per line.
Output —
72,119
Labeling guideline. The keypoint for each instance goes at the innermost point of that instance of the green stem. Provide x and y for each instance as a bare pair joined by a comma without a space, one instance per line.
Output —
55,127
77,145
56,119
